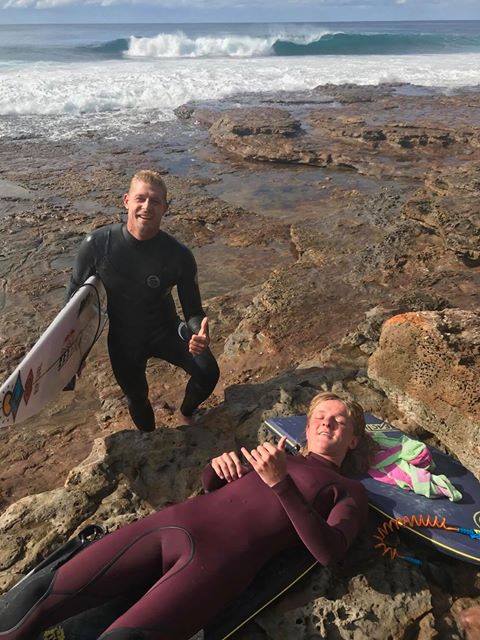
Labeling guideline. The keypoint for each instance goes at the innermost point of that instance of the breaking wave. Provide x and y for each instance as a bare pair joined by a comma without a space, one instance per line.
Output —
113,47
180,45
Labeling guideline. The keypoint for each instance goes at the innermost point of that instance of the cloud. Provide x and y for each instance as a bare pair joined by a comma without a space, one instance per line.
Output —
343,7
195,4
48,4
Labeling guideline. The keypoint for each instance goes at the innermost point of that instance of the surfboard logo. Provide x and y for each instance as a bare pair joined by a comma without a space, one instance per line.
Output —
378,426
38,374
11,400
28,387
7,404
69,344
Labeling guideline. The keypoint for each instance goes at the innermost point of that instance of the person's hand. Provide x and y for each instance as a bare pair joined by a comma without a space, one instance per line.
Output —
269,461
199,341
228,466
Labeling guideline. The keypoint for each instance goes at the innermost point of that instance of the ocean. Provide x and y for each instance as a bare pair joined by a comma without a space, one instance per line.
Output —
63,81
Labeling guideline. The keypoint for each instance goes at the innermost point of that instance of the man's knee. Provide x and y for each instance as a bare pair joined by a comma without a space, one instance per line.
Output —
208,372
141,412
213,373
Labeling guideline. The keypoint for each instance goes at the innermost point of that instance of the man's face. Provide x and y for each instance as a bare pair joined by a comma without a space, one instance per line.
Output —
145,204
330,430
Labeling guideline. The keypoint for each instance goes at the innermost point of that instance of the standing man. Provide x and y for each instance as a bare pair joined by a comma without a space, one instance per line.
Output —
139,265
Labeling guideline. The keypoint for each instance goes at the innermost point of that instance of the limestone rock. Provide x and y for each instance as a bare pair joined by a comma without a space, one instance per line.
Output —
267,133
356,347
448,205
428,364
379,603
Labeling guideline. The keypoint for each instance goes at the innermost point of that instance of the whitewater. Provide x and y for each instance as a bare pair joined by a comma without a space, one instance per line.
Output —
91,80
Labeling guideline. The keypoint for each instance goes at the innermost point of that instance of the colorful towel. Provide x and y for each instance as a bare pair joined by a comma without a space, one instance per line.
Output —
408,464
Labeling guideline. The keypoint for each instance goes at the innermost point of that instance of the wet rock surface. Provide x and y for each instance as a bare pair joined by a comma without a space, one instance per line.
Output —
374,130
314,218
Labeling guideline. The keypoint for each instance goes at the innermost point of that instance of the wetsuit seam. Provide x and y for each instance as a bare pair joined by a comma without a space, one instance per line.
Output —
118,556
163,579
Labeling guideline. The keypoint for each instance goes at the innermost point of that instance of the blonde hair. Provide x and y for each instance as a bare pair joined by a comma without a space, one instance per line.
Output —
150,177
354,410
357,460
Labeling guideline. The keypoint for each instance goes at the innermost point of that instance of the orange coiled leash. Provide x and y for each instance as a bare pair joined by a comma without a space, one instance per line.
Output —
413,521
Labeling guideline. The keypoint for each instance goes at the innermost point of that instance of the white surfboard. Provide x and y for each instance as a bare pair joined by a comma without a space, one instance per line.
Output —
53,361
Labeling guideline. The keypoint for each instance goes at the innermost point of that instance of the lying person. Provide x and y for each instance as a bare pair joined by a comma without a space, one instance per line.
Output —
189,560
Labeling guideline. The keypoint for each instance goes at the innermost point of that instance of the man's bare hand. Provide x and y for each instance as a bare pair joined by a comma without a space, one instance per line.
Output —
200,341
269,461
228,466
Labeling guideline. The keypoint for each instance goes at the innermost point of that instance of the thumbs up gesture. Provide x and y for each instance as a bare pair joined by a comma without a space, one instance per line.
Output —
200,341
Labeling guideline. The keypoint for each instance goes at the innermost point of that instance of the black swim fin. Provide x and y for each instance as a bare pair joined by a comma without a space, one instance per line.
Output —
125,634
22,600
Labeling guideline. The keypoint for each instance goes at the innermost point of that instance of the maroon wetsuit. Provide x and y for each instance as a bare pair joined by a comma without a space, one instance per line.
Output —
191,559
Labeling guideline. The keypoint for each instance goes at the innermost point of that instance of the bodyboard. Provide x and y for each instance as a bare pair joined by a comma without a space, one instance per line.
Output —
391,502
56,357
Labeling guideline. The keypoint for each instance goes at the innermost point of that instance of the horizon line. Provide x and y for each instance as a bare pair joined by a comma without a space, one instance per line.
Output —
127,21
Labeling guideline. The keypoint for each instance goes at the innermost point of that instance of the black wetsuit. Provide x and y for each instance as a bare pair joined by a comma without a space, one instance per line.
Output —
189,560
138,276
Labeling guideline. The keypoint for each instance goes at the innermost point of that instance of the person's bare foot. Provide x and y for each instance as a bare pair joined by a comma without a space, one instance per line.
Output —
188,420
470,621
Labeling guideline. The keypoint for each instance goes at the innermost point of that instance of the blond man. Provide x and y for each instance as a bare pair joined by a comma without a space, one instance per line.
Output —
139,265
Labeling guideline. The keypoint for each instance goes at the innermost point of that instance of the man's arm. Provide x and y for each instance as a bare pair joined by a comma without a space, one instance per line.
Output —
189,294
327,540
83,267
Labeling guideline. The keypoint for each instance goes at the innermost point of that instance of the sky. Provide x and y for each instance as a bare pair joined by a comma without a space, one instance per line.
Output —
48,11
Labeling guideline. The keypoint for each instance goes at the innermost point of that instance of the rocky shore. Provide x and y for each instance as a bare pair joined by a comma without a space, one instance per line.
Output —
337,237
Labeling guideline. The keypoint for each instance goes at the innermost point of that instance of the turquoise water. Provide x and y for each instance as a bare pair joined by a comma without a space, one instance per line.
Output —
67,80
72,43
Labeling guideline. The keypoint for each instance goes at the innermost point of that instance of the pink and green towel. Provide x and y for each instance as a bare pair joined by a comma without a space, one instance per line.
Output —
408,464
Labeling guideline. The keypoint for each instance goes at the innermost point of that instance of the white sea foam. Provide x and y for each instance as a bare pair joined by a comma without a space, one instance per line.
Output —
127,88
179,45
